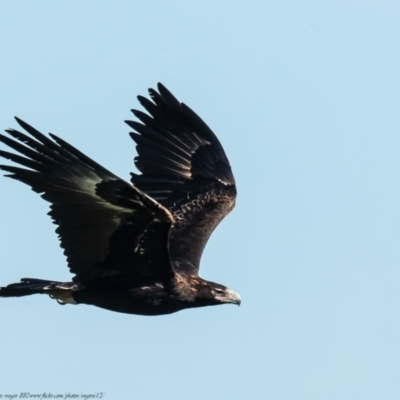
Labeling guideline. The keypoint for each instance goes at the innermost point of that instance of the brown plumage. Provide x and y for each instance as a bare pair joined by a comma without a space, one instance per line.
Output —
132,247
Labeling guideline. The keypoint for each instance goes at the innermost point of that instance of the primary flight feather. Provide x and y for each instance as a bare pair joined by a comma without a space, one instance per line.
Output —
132,247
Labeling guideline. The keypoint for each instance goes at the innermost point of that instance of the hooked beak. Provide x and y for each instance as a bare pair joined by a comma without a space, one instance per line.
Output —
232,297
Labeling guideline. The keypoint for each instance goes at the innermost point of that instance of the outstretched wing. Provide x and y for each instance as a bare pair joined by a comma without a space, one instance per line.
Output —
184,167
106,226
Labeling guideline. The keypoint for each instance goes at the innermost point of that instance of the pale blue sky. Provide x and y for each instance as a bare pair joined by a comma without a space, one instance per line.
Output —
304,97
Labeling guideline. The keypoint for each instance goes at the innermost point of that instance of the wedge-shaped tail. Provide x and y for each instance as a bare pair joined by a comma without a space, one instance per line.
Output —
60,291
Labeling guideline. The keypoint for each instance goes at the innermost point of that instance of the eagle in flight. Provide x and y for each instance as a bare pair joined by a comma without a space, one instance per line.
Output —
133,247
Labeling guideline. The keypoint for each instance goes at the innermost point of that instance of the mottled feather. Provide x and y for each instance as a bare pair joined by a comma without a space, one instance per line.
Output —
185,168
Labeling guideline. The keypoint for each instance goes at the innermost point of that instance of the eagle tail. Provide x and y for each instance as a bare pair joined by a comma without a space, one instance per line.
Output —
29,286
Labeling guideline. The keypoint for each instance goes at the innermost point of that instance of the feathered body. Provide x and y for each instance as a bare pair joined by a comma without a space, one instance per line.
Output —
132,247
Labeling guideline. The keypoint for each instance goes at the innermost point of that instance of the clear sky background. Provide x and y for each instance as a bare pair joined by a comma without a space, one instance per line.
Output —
304,96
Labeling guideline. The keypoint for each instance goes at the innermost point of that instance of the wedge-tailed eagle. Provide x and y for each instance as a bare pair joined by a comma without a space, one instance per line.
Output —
132,247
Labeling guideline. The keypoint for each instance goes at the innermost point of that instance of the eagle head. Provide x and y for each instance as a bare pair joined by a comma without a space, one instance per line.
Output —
211,293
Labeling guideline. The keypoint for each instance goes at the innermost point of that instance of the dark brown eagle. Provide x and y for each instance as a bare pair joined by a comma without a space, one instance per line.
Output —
133,247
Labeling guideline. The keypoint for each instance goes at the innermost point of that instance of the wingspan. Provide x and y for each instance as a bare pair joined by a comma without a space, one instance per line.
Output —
106,226
184,167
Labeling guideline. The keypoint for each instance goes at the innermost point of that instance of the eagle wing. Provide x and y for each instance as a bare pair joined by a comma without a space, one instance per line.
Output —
106,226
183,167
